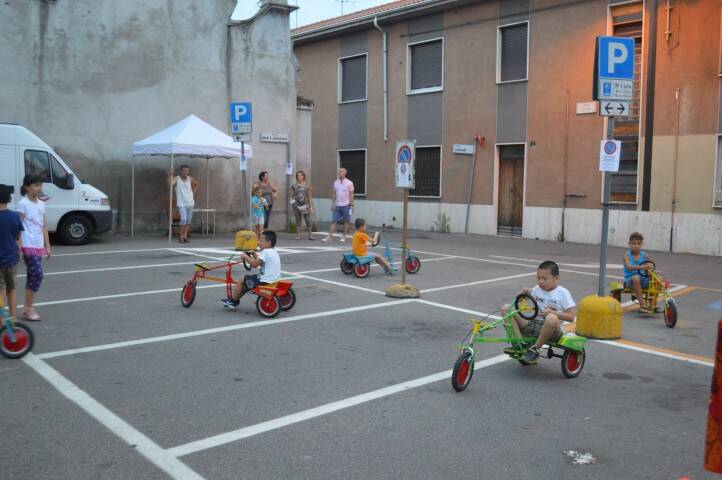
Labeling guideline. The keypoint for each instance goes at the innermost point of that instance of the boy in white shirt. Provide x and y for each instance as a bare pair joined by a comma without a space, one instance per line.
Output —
269,263
556,305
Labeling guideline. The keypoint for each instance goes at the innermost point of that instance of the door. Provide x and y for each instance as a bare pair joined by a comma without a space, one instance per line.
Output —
511,190
8,171
59,191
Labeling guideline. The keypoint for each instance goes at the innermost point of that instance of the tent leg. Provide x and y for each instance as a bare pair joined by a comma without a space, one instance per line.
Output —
208,187
132,198
170,203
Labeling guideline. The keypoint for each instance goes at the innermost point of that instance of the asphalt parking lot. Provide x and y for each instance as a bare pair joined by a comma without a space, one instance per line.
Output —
125,383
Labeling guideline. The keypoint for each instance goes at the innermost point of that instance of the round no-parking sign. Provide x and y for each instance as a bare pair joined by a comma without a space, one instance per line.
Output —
404,160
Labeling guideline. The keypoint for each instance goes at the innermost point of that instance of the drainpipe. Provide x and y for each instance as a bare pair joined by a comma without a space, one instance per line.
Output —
674,168
651,42
386,79
566,163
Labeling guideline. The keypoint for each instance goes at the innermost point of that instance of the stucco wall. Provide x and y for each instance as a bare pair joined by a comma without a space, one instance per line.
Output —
90,78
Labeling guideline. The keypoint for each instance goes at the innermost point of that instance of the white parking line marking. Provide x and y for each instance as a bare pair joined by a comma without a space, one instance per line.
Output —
575,265
480,282
336,269
110,269
161,458
340,284
229,328
263,427
105,252
656,352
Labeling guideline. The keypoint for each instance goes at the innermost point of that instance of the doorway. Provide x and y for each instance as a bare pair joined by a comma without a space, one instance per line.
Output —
511,190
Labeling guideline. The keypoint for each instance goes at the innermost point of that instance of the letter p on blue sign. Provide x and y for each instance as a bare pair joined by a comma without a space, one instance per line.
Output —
616,58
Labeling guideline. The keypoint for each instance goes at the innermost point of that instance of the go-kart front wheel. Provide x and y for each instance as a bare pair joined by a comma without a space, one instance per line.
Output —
361,270
670,313
268,307
288,300
573,362
463,371
346,266
188,294
413,264
23,343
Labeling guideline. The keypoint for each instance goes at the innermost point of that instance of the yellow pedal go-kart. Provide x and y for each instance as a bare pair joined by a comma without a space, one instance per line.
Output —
658,289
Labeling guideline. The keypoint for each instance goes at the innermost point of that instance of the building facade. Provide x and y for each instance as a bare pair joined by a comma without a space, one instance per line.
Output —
92,77
515,78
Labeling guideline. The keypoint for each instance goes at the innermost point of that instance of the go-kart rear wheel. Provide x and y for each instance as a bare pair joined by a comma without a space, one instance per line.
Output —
346,267
463,371
670,313
413,264
527,306
288,300
188,294
573,362
23,343
268,307
361,270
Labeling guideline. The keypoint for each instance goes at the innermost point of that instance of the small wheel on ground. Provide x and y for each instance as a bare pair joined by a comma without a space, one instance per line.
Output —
573,362
268,307
288,300
670,313
346,267
188,294
413,264
75,230
527,306
463,371
361,271
23,343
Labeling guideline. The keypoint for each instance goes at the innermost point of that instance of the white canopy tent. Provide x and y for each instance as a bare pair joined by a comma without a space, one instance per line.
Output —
191,136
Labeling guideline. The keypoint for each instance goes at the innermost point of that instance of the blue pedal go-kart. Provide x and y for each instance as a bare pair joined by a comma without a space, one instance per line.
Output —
361,266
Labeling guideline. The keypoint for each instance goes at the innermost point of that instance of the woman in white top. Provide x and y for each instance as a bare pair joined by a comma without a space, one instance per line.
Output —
185,187
34,240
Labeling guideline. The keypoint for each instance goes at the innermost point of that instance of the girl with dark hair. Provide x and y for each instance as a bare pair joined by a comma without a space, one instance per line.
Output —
34,240
301,202
269,192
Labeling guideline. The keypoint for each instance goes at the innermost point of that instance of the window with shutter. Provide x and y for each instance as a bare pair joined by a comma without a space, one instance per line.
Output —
425,69
513,43
352,81
427,172
354,161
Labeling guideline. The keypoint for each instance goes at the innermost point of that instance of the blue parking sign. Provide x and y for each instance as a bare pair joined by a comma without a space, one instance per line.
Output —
616,58
241,112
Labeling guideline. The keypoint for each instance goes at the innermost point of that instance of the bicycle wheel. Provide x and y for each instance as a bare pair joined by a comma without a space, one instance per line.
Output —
361,271
23,343
463,371
188,294
573,362
413,264
346,267
288,300
670,313
268,307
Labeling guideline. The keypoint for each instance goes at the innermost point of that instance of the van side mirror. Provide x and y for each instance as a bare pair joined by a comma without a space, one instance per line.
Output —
69,182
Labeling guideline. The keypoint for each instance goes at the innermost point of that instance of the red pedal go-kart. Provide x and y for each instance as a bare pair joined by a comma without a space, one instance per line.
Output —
271,299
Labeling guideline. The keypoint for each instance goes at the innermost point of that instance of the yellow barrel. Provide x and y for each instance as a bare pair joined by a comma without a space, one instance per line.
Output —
599,317
245,240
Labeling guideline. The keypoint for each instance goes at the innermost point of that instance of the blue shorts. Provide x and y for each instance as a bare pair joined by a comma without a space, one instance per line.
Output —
341,213
643,280
252,281
186,213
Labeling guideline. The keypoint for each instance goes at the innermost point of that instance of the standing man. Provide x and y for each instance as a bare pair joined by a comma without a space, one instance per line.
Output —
185,187
341,204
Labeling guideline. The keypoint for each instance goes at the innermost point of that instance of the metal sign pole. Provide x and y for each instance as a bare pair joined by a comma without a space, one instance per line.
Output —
404,237
605,217
246,201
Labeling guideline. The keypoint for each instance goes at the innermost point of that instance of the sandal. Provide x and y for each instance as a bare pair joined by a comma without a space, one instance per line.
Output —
31,315
643,310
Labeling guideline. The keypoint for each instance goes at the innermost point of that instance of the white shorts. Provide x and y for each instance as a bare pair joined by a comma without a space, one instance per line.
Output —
186,214
257,221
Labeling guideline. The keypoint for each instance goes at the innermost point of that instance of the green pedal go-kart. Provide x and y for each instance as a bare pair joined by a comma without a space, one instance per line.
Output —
570,347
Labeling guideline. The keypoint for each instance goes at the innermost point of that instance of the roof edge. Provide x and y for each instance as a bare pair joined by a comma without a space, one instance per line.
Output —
337,28
265,8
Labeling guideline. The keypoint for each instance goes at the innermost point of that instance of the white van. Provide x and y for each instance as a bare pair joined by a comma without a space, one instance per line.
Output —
73,209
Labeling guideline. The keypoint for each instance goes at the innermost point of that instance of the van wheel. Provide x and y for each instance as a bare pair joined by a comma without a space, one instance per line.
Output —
75,230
